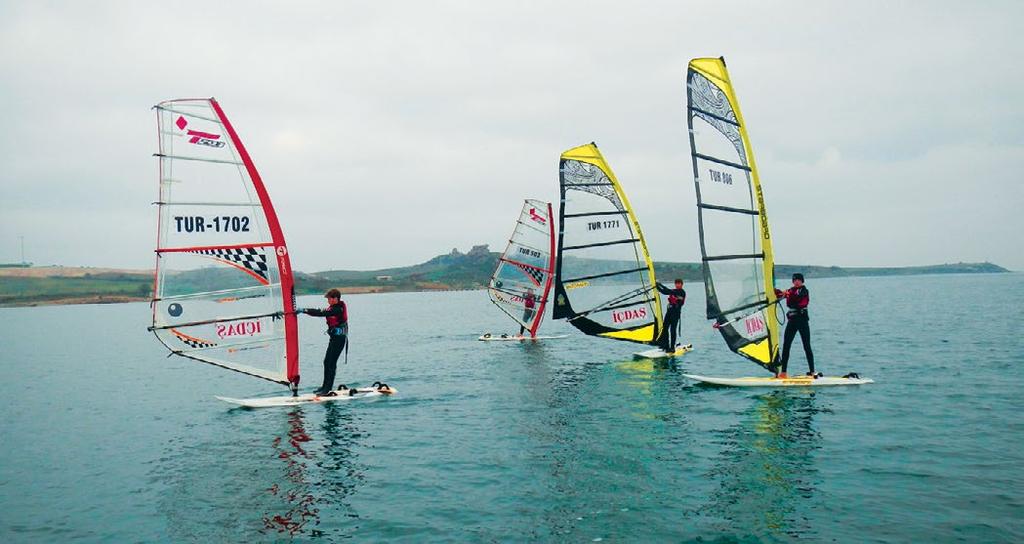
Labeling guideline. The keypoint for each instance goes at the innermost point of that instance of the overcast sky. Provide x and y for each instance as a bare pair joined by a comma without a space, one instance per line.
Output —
887,133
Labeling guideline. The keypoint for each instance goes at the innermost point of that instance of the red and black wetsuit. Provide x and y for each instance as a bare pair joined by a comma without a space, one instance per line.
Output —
337,330
529,303
676,299
797,300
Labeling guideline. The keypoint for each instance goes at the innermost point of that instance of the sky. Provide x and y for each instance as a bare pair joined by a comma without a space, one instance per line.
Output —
886,133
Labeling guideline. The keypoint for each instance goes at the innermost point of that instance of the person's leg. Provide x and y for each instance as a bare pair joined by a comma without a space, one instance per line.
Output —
334,349
787,341
527,317
805,337
663,338
673,331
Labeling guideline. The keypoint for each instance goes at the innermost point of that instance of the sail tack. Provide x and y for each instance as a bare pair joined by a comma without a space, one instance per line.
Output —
604,277
526,268
224,293
735,240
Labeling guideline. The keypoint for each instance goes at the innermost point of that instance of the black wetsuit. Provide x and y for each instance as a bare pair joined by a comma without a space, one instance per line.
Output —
337,330
797,300
676,299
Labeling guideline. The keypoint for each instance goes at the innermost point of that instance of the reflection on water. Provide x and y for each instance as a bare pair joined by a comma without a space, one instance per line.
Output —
294,482
766,469
595,431
296,489
340,473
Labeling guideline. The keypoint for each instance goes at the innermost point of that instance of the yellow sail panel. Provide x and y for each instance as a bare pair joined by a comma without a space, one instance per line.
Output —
735,238
604,279
646,334
760,352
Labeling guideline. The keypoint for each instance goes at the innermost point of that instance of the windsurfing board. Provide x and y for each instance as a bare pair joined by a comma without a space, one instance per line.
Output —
658,353
516,337
342,395
795,381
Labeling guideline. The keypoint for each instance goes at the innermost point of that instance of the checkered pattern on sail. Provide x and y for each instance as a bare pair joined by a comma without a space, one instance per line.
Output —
252,259
536,274
192,341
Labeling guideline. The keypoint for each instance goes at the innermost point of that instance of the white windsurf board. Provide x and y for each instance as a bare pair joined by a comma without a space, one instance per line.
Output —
309,398
658,353
516,337
793,381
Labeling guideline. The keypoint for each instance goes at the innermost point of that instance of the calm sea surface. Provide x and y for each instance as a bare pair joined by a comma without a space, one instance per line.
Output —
104,438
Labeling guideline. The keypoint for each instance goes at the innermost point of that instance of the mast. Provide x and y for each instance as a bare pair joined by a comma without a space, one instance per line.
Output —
280,250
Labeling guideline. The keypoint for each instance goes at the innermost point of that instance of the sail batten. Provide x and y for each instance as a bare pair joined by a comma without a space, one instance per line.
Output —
199,159
604,279
735,241
224,292
521,282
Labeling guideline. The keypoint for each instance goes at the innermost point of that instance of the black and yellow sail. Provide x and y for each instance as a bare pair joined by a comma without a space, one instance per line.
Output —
735,243
604,277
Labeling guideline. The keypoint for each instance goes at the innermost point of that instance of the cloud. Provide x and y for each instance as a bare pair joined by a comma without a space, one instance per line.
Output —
388,132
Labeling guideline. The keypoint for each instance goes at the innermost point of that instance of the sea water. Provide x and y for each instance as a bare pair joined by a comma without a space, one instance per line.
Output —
105,438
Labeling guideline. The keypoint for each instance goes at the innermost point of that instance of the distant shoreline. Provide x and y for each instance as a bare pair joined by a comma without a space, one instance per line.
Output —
60,285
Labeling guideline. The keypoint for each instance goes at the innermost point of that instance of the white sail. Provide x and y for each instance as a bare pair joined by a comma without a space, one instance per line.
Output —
223,292
525,269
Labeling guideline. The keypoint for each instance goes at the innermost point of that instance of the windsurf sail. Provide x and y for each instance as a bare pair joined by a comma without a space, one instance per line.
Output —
735,243
526,267
223,288
604,277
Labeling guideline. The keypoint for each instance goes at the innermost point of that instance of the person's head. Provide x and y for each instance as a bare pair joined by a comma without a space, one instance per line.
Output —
333,296
798,279
679,283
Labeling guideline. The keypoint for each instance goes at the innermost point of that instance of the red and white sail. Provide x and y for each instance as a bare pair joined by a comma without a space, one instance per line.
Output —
526,267
224,292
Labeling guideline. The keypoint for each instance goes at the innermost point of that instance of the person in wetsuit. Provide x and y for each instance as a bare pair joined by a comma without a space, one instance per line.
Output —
797,300
529,302
337,330
676,299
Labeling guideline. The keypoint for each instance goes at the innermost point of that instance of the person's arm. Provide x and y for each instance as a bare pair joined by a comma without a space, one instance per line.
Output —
338,310
779,293
682,298
662,289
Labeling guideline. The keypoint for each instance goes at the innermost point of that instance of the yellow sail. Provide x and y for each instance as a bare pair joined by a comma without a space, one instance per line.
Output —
736,246
604,278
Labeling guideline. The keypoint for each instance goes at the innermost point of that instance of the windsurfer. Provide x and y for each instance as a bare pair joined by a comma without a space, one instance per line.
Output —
676,299
529,303
797,300
337,330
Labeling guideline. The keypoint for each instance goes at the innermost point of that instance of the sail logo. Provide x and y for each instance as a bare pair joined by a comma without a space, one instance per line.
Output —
199,137
537,217
629,314
764,217
754,324
240,328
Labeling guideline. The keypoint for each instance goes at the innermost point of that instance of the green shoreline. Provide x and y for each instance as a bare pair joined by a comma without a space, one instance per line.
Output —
453,271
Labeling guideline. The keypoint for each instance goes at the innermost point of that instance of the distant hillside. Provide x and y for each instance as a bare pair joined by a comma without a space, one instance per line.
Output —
72,285
473,270
455,270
